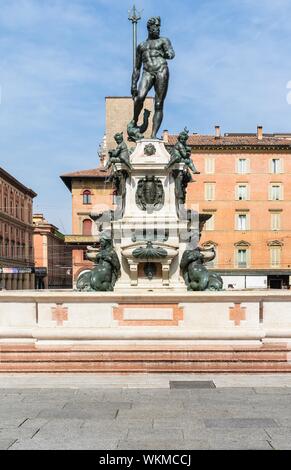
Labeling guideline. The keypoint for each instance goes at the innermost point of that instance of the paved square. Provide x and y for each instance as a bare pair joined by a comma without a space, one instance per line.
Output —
141,411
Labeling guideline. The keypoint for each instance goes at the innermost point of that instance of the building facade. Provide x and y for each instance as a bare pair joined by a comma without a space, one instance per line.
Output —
91,192
16,234
53,258
245,185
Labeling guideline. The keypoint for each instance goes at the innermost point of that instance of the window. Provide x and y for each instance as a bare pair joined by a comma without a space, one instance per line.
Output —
275,220
30,253
242,257
11,203
242,166
242,192
275,256
209,224
6,248
276,165
276,192
87,227
241,222
209,165
209,191
86,197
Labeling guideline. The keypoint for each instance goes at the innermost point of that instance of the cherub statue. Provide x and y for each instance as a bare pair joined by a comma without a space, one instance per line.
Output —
118,155
182,152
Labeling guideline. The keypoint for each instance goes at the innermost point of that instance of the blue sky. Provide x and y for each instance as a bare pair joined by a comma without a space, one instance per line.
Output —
60,58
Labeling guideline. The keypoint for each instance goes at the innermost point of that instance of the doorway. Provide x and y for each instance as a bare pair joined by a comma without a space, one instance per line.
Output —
278,282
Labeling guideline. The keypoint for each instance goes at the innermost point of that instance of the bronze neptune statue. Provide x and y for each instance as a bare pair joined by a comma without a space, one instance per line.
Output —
152,54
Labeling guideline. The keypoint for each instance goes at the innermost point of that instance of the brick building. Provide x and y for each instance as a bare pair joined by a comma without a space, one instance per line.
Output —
245,185
53,258
16,234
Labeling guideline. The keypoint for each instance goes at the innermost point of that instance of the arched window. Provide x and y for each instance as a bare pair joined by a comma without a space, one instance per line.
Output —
87,197
87,227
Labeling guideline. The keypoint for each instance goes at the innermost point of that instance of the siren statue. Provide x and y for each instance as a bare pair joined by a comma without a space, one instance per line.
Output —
195,274
106,270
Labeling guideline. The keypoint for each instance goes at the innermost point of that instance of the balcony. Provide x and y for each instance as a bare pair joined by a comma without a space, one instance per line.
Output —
242,264
81,239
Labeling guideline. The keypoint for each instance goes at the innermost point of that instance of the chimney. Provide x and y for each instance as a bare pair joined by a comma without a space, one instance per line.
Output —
166,136
217,132
259,132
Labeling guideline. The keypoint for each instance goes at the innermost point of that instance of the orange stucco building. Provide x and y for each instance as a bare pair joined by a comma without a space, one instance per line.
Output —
244,182
53,258
90,193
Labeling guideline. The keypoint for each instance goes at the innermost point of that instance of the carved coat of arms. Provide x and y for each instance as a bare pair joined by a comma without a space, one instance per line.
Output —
150,193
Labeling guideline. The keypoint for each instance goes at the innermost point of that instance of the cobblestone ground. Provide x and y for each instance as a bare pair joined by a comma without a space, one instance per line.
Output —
142,412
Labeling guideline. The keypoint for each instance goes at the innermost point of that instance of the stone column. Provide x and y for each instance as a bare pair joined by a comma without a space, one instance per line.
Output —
26,281
19,281
8,281
32,281
14,281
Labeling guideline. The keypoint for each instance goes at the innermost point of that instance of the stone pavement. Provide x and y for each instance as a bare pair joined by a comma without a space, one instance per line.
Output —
141,411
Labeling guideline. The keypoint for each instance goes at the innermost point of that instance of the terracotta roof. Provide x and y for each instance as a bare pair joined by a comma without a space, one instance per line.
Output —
91,173
246,141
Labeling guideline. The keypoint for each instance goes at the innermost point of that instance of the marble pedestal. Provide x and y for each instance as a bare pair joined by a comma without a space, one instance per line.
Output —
63,331
160,225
